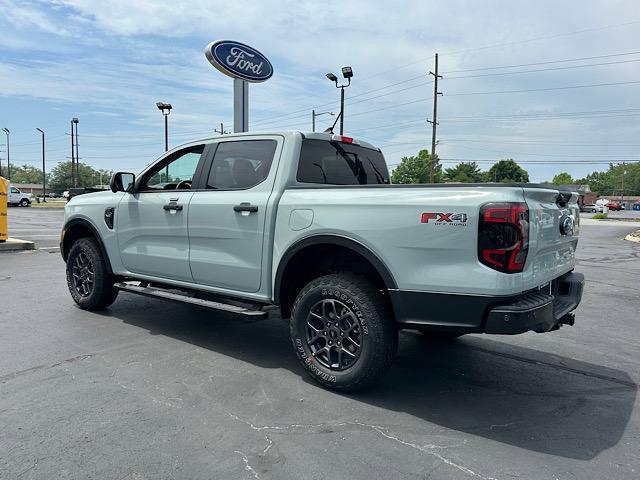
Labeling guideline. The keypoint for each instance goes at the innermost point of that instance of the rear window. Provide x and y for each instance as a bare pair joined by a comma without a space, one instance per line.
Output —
336,163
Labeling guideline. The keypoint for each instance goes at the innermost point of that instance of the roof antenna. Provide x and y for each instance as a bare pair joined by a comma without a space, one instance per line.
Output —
330,129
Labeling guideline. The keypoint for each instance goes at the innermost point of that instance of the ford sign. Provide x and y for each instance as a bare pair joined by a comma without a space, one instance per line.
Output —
238,60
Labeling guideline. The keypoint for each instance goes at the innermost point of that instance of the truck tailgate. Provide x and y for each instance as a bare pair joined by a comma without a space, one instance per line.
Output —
553,234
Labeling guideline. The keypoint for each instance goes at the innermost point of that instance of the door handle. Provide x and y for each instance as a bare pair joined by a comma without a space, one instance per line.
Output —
245,207
172,207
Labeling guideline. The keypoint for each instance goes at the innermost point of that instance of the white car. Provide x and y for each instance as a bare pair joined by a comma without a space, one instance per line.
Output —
16,197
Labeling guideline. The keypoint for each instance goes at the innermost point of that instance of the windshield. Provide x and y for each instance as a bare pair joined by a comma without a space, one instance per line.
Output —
337,163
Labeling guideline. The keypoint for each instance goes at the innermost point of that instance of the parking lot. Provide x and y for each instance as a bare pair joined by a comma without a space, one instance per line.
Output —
155,390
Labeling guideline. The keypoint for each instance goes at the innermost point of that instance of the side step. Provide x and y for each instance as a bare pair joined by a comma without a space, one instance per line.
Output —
185,298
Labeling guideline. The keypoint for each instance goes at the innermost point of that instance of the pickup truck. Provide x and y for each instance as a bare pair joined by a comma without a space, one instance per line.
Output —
16,197
310,223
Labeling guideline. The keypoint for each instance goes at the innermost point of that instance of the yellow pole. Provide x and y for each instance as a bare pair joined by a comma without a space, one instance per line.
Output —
4,198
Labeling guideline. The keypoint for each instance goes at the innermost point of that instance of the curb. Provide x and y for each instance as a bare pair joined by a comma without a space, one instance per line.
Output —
633,237
15,244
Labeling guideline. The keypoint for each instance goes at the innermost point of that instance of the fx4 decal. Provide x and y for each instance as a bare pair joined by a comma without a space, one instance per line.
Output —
440,218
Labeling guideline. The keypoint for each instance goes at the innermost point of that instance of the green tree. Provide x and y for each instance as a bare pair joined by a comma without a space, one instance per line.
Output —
60,177
416,169
507,171
563,178
465,172
618,178
26,174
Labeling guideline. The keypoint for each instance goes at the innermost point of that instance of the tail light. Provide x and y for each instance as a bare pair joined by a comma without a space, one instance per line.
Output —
503,236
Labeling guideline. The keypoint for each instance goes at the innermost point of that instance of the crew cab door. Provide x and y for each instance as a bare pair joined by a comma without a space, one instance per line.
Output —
152,232
228,213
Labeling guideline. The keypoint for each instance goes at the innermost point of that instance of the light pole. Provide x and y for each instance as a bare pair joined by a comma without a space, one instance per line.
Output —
347,73
75,172
165,108
7,132
313,118
44,174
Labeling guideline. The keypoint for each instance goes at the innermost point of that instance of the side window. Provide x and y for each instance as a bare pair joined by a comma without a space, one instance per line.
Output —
241,165
14,190
177,173
337,163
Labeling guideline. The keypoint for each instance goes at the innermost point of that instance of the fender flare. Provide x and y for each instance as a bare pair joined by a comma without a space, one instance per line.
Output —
94,231
337,240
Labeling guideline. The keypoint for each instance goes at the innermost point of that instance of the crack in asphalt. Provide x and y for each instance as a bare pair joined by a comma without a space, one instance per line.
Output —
428,449
10,376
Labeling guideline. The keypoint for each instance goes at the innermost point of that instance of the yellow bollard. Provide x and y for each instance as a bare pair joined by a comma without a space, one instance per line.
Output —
4,198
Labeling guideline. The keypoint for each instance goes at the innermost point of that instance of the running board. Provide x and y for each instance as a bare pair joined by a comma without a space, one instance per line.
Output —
184,298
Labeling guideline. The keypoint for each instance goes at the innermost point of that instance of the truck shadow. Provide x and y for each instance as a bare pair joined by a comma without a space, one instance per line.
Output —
487,388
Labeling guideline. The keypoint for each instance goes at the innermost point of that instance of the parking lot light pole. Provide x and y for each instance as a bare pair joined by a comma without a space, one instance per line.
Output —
76,175
7,132
313,118
44,172
165,108
347,72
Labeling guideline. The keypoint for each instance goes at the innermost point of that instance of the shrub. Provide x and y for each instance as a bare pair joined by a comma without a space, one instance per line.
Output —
600,216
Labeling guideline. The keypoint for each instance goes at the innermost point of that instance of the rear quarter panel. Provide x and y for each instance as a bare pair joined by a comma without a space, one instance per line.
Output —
433,256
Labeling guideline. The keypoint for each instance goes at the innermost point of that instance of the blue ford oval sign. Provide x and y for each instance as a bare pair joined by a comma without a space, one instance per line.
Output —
238,60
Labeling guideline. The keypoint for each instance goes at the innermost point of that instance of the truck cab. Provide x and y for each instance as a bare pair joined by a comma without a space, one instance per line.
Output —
17,198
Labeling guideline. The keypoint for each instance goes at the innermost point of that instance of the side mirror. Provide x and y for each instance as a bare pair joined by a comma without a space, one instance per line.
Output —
122,182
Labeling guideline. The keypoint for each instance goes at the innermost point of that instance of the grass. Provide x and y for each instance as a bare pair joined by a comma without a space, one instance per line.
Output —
600,216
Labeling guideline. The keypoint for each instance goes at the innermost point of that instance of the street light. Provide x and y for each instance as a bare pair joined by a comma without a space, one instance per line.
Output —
313,118
347,73
7,132
75,171
44,175
165,108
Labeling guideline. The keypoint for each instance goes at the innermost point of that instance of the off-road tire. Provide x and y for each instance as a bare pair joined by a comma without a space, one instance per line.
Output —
102,294
379,335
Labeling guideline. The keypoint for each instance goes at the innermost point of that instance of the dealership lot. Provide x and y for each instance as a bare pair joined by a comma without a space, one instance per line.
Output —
149,389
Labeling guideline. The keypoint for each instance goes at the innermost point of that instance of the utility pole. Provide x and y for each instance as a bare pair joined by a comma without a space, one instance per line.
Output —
222,131
44,174
434,120
622,194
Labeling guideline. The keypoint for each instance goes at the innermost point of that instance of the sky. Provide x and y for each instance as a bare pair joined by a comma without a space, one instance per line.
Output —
553,85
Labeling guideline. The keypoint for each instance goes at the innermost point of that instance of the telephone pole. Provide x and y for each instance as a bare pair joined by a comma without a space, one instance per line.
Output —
222,131
434,120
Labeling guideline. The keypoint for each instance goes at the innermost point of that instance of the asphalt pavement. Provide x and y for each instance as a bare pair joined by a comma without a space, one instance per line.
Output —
154,390
37,224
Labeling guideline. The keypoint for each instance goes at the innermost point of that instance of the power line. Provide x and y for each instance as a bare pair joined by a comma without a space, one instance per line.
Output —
542,63
568,67
545,89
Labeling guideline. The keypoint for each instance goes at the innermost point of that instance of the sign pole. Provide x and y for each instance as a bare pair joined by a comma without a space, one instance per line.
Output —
240,105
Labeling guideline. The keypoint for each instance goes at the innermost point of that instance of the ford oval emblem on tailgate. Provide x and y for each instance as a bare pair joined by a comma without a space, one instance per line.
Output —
567,225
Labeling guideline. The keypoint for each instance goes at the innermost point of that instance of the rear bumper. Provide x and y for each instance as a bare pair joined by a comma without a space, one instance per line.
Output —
532,311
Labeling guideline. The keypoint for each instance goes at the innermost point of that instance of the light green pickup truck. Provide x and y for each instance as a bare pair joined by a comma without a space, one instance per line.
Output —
309,222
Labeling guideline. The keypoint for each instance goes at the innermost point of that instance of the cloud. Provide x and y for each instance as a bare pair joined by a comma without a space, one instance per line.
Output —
120,57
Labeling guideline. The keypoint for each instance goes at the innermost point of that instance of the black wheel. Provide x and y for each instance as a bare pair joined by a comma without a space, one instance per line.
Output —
343,331
89,282
24,202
